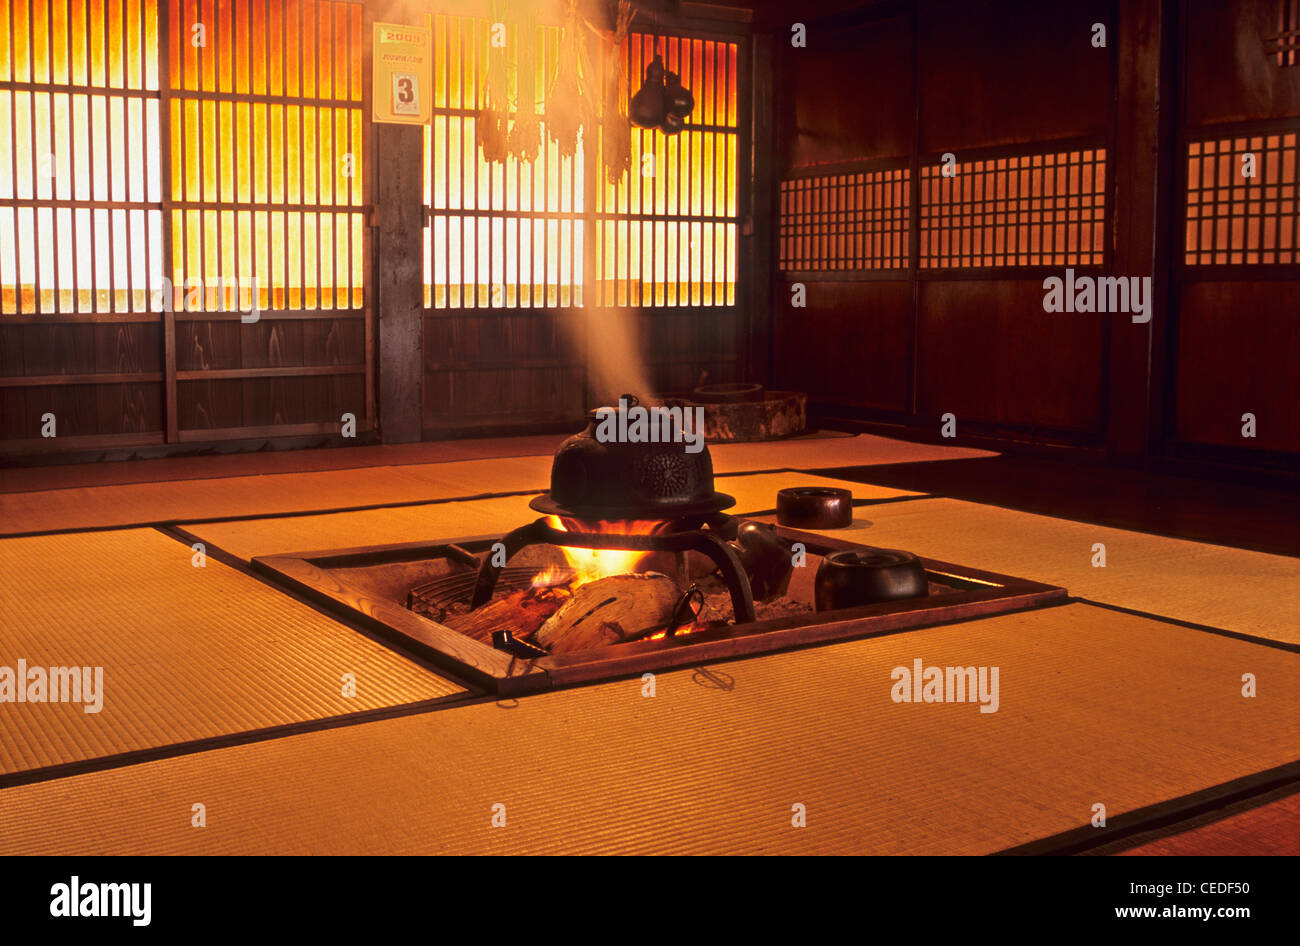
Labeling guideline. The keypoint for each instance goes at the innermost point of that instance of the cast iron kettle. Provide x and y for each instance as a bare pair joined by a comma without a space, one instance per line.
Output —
591,479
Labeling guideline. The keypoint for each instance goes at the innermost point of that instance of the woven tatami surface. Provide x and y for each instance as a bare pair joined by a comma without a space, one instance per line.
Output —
187,653
1234,589
1095,707
190,500
432,522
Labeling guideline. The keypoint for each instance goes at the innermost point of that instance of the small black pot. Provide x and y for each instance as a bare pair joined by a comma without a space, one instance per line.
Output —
865,576
814,507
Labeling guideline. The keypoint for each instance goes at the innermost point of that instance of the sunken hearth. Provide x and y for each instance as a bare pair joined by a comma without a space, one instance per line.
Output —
375,585
634,566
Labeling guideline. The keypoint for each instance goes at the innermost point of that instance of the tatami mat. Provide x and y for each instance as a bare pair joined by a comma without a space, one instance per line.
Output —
187,653
192,500
1095,707
820,453
1269,830
1234,589
246,539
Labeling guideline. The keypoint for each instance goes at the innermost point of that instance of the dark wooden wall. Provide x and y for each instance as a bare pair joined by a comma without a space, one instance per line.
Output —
102,381
487,369
899,83
1234,340
912,81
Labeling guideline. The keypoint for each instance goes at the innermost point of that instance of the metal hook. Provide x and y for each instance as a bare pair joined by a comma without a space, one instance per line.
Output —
693,593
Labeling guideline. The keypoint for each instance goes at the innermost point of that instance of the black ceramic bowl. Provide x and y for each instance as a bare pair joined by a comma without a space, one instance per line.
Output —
814,507
866,576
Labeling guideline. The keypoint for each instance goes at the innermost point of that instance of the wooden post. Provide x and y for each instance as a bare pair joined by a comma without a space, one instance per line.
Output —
399,277
1142,171
757,321
397,156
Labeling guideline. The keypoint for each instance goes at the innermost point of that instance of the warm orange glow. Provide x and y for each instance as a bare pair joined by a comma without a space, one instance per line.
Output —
261,189
1233,218
92,137
515,234
856,221
1041,209
590,564
263,154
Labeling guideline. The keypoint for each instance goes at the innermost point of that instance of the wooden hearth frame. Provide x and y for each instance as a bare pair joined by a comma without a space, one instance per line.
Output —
981,593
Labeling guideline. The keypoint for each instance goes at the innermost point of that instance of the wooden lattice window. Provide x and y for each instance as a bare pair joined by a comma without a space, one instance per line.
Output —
264,156
512,235
1045,209
216,147
1284,45
498,235
266,152
80,217
669,237
854,221
1234,218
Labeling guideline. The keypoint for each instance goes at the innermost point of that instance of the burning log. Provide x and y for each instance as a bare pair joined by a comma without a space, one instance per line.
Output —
610,611
521,612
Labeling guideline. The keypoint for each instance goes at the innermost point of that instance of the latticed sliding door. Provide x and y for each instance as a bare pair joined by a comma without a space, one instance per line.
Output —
182,200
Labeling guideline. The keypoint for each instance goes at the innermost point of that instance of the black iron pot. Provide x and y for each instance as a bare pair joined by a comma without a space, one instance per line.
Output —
595,479
865,576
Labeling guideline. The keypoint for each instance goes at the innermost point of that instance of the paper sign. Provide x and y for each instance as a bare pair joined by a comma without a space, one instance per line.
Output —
403,73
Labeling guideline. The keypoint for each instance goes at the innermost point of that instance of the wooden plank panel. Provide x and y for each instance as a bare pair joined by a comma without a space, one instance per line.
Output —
129,408
825,85
209,405
16,422
11,351
58,349
128,347
1245,82
267,344
987,351
1239,352
503,396
1036,74
80,410
333,342
850,344
203,346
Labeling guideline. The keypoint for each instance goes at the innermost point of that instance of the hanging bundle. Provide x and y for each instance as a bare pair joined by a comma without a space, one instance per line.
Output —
526,133
492,123
616,132
566,106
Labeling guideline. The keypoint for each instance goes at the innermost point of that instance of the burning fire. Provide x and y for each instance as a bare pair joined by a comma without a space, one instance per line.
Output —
590,564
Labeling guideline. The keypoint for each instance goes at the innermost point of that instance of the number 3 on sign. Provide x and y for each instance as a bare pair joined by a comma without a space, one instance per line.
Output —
406,94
